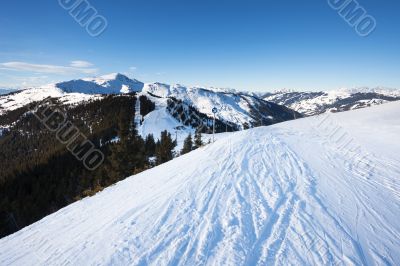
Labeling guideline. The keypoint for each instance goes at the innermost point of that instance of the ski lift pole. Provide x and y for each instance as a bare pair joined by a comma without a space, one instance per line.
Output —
214,129
214,110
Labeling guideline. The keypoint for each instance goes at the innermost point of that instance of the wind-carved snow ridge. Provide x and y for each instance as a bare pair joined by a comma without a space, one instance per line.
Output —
280,195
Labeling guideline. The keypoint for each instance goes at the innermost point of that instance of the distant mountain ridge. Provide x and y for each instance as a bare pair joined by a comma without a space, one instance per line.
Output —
6,91
239,110
243,109
313,103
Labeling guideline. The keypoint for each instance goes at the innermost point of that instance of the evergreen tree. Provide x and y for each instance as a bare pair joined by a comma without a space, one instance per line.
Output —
187,145
128,155
150,145
165,147
123,127
38,168
198,142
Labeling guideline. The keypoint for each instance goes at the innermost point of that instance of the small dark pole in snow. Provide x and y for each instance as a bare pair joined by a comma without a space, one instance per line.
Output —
214,110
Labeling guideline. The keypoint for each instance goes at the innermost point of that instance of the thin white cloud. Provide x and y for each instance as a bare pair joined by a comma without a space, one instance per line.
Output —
49,69
16,82
132,68
80,64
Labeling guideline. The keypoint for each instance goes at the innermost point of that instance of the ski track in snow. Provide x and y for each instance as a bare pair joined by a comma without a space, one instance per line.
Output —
280,195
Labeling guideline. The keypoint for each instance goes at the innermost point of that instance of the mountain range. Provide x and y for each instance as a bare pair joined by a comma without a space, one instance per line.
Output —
289,193
313,103
237,109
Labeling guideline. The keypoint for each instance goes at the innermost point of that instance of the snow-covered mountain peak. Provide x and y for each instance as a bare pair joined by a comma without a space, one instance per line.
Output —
157,89
108,84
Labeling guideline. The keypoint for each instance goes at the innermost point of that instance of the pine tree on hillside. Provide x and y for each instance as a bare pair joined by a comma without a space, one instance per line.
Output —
128,155
137,154
150,145
123,127
165,147
198,142
187,145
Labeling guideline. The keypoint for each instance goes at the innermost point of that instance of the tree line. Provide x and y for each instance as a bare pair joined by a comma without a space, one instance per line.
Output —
38,175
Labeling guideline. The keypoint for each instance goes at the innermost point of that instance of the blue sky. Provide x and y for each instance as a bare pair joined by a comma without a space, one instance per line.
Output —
260,45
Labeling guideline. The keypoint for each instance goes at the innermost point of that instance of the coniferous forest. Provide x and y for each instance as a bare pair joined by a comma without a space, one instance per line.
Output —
39,175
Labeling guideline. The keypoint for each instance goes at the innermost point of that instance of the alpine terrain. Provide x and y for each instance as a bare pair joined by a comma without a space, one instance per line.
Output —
312,103
134,125
322,190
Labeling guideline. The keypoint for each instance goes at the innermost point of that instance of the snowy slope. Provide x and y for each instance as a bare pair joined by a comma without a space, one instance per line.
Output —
311,103
24,97
233,107
71,92
288,194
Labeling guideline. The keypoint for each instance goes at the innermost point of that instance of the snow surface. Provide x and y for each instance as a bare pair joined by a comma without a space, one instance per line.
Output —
287,194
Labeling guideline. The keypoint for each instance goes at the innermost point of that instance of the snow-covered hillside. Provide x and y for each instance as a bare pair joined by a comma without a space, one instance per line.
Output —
21,98
71,92
289,194
311,103
239,109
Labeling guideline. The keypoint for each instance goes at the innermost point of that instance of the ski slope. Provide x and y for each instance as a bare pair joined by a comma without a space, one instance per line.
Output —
287,194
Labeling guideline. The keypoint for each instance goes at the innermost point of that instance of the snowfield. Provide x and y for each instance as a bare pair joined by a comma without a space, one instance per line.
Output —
288,194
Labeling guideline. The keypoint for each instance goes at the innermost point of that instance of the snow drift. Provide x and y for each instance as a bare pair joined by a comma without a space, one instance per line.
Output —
285,194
